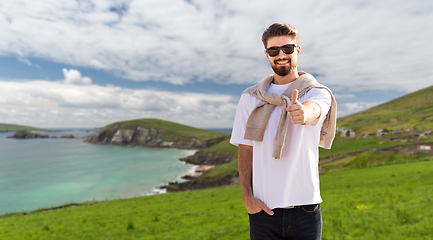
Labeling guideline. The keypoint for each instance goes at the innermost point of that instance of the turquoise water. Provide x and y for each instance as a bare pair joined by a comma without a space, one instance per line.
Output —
41,173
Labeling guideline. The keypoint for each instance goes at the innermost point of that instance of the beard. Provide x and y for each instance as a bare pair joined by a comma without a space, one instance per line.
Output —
284,70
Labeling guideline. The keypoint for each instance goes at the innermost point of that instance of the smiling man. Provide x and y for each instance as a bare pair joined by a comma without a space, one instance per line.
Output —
279,125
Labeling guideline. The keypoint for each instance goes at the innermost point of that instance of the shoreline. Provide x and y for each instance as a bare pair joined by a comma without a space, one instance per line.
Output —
196,171
203,161
149,187
193,173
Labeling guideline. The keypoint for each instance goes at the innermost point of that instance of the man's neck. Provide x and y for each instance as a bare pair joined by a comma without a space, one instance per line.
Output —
285,79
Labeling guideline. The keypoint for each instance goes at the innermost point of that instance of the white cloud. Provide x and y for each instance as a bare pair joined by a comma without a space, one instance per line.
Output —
60,104
74,77
96,64
354,44
26,61
353,107
343,96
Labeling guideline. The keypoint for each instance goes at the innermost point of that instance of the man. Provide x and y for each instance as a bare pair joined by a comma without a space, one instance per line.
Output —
279,124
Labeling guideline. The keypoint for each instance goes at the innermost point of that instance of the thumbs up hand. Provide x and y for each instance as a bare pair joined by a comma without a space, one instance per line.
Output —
296,110
303,113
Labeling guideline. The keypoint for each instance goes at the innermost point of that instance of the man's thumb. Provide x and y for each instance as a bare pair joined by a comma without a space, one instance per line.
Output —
294,96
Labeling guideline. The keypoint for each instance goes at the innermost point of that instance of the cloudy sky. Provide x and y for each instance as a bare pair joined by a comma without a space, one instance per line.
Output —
88,63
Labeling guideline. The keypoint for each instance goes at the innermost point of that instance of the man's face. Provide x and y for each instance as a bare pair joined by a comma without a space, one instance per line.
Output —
283,64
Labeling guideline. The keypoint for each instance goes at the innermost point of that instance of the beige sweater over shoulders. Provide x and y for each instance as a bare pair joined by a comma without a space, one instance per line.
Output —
259,117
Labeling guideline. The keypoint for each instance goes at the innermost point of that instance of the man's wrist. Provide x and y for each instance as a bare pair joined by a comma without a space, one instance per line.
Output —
312,111
247,197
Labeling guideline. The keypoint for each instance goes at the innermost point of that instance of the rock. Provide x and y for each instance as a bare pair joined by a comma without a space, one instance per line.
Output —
200,183
122,136
142,136
188,177
199,170
167,144
203,158
25,134
68,136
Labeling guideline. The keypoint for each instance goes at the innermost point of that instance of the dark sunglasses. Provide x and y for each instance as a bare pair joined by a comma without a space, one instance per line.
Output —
287,49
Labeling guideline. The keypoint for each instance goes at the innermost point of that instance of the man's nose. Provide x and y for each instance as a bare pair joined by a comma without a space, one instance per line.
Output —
281,54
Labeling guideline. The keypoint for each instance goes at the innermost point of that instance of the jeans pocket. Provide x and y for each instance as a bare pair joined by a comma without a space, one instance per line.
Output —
313,208
256,214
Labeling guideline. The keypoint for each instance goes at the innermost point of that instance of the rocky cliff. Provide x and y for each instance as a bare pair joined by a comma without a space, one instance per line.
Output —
151,137
201,183
204,158
26,134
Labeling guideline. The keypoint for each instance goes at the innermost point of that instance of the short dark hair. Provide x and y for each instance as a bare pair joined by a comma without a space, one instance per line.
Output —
279,29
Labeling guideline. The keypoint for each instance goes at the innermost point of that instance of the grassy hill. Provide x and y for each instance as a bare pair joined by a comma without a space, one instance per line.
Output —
4,127
172,130
404,118
386,202
413,111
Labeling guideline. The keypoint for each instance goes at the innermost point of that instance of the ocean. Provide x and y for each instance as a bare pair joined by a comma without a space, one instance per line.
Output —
42,173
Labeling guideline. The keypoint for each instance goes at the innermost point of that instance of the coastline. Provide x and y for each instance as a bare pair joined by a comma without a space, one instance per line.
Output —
194,170
197,171
193,173
109,164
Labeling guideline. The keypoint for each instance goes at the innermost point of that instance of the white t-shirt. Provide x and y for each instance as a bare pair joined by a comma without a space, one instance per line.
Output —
293,179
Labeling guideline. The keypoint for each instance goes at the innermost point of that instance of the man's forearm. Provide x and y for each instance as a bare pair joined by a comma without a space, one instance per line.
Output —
303,113
312,111
245,168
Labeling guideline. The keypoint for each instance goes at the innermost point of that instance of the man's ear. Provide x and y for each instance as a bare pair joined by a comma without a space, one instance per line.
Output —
298,49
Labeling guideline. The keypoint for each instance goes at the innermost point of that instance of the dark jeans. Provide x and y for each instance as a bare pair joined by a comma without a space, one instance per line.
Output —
301,222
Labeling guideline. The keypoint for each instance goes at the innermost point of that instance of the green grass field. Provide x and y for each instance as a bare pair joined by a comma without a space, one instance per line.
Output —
373,159
390,202
384,202
230,168
348,145
341,147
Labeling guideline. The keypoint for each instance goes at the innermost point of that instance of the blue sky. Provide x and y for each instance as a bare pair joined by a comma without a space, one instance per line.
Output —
87,63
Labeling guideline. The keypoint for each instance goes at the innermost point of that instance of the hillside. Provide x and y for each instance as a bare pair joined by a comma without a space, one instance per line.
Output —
155,133
4,127
412,112
172,130
407,123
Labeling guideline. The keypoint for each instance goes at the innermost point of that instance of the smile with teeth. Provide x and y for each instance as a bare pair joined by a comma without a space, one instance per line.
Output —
282,62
